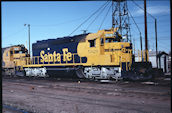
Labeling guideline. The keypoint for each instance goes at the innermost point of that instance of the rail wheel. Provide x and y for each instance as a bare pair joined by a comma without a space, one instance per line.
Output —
80,73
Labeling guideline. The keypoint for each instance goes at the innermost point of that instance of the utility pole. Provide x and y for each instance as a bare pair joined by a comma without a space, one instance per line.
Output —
28,35
146,42
141,47
156,43
146,31
112,15
134,46
26,44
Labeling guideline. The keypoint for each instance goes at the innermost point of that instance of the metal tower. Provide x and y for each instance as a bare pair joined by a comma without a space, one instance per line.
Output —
120,18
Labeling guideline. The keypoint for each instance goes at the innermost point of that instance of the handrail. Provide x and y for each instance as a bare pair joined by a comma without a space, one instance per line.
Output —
142,57
128,66
32,60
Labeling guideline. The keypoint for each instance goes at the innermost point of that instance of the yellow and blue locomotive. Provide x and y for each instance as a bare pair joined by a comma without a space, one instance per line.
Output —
101,55
12,59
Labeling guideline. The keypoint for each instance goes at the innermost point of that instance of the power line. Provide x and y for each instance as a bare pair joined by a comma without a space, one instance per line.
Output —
153,32
88,18
142,8
138,30
105,17
19,31
134,22
159,16
141,22
163,39
145,14
96,16
162,46
147,22
60,23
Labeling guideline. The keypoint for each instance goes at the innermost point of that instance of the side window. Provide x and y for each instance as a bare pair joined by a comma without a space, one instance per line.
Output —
92,43
102,41
107,40
15,52
11,52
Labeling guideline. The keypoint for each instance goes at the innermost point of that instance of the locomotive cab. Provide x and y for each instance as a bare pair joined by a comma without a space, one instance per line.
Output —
107,52
108,46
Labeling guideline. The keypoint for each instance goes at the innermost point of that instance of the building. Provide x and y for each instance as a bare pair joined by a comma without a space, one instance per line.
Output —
164,60
169,63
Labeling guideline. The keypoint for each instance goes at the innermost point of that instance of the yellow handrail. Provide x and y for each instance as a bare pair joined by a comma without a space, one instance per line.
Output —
128,66
31,61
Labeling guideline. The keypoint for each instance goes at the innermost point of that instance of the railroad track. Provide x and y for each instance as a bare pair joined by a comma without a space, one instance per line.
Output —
81,99
84,93
88,87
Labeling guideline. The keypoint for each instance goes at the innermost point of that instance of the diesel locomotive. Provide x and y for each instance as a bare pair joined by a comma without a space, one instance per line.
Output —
101,55
11,59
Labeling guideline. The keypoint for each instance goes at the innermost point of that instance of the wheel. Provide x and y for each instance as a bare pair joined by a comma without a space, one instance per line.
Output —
80,73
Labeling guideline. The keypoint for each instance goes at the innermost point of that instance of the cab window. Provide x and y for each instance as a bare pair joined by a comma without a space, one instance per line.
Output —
109,40
11,52
102,41
16,52
20,52
92,43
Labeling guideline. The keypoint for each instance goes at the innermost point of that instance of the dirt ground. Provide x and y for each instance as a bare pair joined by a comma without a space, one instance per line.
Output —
46,96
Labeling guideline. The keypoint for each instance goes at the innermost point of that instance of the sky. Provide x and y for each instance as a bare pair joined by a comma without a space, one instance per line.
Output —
55,19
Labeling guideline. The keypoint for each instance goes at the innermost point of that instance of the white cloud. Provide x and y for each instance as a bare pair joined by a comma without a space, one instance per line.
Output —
154,10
